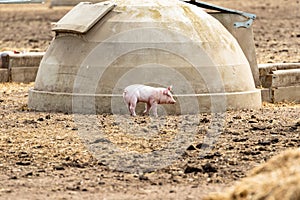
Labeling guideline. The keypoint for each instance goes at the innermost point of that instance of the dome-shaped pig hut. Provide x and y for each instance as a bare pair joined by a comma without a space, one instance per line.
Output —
99,49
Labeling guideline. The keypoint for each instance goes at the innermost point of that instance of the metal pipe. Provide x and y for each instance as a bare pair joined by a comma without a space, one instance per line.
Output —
246,24
20,1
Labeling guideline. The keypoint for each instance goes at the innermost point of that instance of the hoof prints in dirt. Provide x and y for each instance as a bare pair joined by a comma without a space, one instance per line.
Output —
51,152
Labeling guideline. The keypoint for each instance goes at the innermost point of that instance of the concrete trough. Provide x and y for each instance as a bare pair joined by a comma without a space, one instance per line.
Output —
286,94
268,68
23,74
19,67
3,75
280,82
283,78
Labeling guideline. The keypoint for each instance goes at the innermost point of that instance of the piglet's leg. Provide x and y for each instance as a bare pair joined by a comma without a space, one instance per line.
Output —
132,109
147,108
128,106
132,106
154,108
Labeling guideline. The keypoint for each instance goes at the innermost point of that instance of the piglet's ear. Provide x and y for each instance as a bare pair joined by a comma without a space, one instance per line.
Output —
170,87
165,92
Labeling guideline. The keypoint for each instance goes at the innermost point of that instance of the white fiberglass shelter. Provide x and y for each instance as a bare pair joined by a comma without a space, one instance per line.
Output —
101,48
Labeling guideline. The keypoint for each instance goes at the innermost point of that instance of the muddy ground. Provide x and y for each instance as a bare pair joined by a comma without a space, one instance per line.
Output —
43,157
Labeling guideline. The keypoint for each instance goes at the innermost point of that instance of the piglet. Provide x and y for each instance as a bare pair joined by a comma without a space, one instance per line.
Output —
149,95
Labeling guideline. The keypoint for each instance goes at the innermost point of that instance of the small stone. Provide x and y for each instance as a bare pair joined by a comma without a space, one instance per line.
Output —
59,167
240,139
145,130
283,50
264,143
245,158
6,191
154,126
274,140
293,127
29,174
217,154
32,40
209,168
143,178
40,119
257,127
143,121
237,117
235,132
41,171
291,144
262,149
101,140
190,169
232,162
230,147
115,123
252,121
202,146
209,156
28,121
191,148
295,140
248,152
23,163
73,188
23,155
204,120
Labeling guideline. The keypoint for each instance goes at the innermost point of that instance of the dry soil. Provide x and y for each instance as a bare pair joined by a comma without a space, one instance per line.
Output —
43,157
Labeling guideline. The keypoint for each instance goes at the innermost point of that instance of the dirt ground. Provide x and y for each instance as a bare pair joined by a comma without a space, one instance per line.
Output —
276,29
42,156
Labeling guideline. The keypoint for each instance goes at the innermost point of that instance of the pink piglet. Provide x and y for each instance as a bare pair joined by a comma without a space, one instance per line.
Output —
149,95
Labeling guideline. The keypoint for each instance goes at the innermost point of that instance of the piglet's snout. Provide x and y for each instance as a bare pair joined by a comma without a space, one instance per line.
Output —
172,101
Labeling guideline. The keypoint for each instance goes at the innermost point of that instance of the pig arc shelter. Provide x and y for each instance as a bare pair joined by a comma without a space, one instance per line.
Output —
101,48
